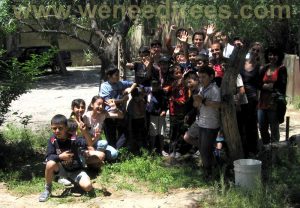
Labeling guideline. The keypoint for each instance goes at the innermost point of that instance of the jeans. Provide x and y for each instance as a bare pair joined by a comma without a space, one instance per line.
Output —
110,152
115,132
268,118
247,123
207,139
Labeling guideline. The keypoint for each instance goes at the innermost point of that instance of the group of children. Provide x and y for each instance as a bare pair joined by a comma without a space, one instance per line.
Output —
183,83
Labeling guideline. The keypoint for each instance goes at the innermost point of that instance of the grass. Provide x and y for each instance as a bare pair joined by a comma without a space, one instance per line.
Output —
281,189
153,172
22,171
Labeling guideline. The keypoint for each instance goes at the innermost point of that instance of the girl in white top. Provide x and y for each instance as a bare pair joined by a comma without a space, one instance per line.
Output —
94,119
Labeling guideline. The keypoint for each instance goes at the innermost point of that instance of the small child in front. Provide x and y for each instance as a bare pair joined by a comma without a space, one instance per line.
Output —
61,160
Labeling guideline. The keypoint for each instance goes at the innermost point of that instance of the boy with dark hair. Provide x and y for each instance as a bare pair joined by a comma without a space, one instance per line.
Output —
201,61
157,106
117,91
143,69
136,121
61,160
204,130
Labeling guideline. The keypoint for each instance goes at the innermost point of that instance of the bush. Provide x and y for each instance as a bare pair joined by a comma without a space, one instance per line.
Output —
17,78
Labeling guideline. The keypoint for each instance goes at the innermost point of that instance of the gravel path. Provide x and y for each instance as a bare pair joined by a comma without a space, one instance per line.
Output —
54,94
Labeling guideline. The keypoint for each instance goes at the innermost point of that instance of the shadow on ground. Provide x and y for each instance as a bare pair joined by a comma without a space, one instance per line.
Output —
74,78
20,157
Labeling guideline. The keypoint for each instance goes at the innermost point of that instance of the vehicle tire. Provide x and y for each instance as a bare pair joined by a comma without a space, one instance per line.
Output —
55,69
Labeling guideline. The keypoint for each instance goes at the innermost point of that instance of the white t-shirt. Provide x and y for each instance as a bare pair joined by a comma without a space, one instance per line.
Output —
94,123
209,117
227,51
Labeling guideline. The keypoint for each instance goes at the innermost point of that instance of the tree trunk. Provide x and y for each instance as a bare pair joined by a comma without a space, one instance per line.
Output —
110,55
228,111
61,64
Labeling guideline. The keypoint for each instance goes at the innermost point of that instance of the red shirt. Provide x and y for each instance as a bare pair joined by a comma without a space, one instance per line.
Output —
178,96
219,72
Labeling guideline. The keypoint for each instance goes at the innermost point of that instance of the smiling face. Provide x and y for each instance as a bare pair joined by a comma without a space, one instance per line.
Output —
255,50
216,51
198,41
177,74
273,58
155,50
192,84
79,110
192,56
98,106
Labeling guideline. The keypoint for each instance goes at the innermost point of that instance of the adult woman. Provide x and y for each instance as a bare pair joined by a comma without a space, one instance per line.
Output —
273,82
248,114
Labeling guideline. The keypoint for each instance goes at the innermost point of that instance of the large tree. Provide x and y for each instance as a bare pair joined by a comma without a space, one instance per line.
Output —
98,24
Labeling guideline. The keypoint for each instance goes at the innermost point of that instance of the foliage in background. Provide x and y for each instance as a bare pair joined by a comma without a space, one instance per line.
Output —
282,32
7,24
17,78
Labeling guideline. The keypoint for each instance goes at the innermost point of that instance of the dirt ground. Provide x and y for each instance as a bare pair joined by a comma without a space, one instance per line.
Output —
54,94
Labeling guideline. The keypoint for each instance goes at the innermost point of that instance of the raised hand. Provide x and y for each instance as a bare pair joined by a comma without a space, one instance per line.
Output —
177,48
173,27
183,36
146,61
210,29
97,133
111,103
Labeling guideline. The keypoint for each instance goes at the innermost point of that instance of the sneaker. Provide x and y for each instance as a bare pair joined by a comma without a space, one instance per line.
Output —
44,196
196,154
175,155
165,154
64,182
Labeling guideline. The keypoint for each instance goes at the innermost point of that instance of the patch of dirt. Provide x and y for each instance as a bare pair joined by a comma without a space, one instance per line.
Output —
179,198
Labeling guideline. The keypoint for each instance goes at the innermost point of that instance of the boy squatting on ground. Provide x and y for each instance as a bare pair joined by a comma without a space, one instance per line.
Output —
61,160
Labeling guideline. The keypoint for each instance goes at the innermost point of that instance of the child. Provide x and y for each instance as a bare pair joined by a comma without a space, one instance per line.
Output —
201,61
61,160
94,158
136,120
78,108
156,109
193,84
143,69
204,130
94,119
178,96
80,152
116,90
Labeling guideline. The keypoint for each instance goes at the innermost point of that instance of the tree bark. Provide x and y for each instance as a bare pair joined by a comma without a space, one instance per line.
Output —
61,64
228,110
